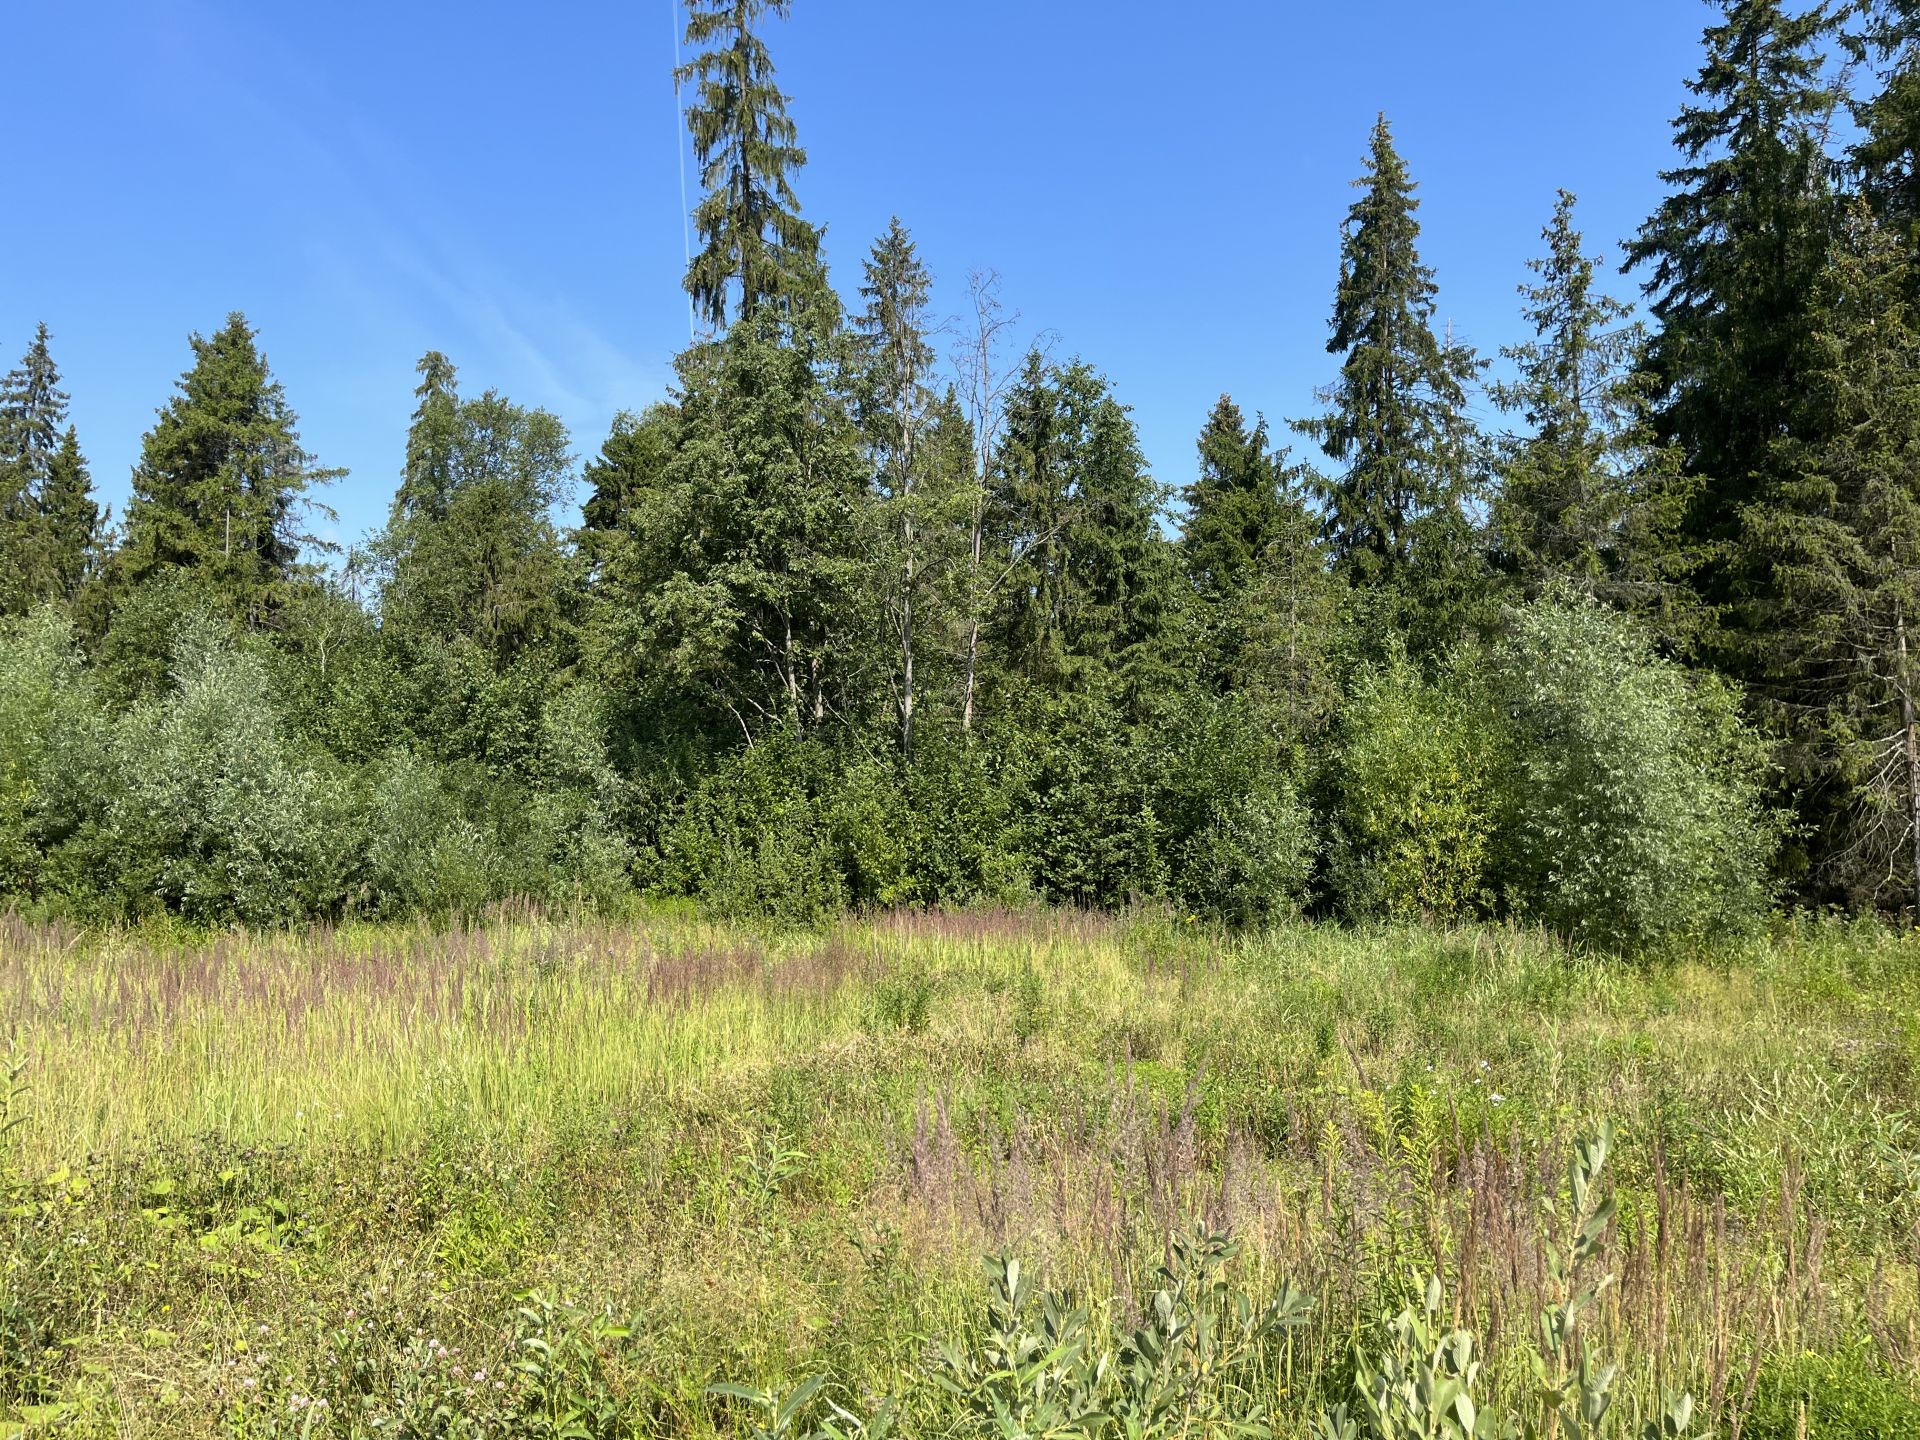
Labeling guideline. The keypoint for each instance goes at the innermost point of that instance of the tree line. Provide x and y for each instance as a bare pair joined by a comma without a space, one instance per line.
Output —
847,620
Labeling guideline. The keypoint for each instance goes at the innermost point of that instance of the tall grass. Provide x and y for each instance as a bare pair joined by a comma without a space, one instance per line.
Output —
779,1155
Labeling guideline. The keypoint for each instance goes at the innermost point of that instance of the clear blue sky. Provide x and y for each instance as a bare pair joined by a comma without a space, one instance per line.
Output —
1160,185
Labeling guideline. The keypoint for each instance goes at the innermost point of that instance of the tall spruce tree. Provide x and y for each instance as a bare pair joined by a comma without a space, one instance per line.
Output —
1735,255
1397,513
1566,481
896,410
221,488
1837,552
1887,153
755,249
33,413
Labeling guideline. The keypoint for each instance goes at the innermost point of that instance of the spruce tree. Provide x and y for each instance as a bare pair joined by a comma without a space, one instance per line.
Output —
1233,507
896,410
70,521
1887,153
471,553
33,413
1837,554
1397,513
1735,255
222,482
755,249
1566,483
1252,554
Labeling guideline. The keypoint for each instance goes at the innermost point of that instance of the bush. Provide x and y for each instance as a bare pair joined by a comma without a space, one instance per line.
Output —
1632,816
1412,783
1845,1396
1238,839
752,840
217,815
54,752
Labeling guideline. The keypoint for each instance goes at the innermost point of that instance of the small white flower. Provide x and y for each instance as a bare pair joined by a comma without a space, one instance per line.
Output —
1496,1097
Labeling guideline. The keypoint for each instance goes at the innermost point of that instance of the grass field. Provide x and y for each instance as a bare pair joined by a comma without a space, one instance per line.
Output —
541,1178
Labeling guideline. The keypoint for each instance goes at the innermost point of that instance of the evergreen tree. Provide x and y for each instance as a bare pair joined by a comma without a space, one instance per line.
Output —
1837,551
1233,508
896,404
471,552
1252,554
1397,515
1735,255
754,245
1566,484
222,481
70,520
1887,154
33,412
1084,578
739,570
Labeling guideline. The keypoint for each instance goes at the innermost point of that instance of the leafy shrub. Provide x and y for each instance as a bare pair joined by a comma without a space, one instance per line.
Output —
1239,840
1633,813
1412,785
752,840
218,814
1843,1396
54,751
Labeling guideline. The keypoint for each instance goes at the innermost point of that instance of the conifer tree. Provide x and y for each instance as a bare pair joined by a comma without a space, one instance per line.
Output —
1252,554
755,249
1083,578
1233,507
896,405
471,552
1837,552
222,481
1396,513
1887,154
33,412
1566,482
70,521
1735,254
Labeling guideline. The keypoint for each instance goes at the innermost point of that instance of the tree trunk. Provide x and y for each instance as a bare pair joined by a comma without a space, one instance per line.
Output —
1913,761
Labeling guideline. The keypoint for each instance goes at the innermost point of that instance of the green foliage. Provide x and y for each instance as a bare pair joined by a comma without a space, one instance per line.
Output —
1633,814
1845,1395
1412,781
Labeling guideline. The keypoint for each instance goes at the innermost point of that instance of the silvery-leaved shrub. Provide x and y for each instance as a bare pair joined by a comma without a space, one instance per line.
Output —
1633,815
219,813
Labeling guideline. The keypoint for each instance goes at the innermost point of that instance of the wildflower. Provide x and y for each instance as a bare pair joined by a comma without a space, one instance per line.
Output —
1496,1097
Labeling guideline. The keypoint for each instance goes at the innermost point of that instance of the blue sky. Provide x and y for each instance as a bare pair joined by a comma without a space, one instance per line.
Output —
1160,186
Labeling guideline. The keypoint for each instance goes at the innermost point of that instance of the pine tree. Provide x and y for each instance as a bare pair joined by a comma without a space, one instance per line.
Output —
222,481
70,521
1396,516
427,482
1735,255
1566,484
755,248
33,413
896,405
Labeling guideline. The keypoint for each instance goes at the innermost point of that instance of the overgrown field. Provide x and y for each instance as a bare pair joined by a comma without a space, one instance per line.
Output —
538,1178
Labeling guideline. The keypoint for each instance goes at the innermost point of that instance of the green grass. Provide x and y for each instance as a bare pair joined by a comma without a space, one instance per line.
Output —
253,1173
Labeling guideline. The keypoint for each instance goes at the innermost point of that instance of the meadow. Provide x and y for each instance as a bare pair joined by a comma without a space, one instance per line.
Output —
665,1176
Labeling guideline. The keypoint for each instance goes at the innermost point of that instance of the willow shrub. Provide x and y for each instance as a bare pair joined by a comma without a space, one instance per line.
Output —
1633,814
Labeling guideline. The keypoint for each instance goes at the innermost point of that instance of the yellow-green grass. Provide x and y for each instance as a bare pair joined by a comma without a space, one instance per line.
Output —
783,1154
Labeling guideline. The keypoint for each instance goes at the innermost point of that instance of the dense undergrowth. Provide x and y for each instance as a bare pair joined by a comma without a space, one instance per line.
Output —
545,1178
